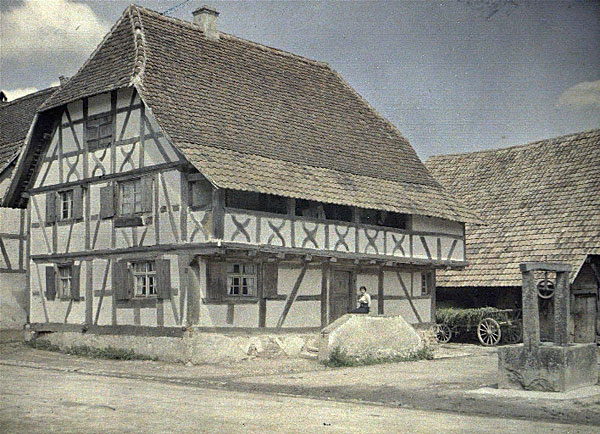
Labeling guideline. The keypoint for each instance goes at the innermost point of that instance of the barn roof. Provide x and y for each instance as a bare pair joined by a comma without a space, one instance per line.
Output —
255,118
15,119
541,201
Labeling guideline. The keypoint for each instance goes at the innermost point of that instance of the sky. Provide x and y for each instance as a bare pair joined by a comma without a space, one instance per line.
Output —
453,75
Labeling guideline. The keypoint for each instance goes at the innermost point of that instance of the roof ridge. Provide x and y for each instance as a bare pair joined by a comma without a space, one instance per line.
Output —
29,95
192,26
592,132
139,41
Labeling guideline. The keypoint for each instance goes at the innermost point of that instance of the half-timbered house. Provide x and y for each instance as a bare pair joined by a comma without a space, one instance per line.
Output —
541,202
184,176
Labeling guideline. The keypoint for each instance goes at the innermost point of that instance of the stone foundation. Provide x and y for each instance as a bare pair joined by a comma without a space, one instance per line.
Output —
548,367
195,346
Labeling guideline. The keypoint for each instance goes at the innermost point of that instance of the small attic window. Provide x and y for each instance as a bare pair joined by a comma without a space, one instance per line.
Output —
99,131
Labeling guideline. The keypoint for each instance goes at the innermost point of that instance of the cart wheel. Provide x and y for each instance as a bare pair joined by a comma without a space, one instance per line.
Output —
443,333
488,332
512,334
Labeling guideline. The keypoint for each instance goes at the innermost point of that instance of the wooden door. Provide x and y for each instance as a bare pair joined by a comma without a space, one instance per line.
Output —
340,294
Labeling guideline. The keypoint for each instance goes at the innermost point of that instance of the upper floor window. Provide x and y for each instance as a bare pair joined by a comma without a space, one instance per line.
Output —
241,279
318,210
383,218
256,201
65,204
130,197
144,279
99,131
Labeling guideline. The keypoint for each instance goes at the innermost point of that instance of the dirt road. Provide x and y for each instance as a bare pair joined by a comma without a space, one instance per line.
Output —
38,400
44,392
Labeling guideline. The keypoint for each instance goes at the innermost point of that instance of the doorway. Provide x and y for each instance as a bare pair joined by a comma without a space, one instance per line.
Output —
340,295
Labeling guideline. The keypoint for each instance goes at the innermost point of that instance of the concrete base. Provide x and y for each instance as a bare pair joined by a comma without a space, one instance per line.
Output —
362,336
196,347
548,368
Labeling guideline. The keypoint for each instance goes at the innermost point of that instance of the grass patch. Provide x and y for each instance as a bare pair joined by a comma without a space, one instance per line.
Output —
340,358
109,353
452,316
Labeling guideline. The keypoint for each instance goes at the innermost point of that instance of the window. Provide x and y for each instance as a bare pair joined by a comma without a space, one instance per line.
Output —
130,197
65,281
256,201
99,131
427,281
318,210
66,204
144,279
241,279
383,218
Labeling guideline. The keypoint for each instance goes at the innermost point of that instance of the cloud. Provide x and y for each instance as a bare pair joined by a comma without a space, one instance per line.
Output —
42,27
12,94
584,94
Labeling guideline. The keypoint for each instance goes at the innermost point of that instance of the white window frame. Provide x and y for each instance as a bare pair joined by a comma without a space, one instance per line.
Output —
130,204
144,279
241,279
64,282
66,204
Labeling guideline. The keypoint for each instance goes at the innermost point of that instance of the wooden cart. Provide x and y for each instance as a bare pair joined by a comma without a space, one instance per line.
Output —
491,326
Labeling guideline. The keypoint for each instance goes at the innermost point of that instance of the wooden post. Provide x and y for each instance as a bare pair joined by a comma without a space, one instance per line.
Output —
380,291
324,280
562,295
433,297
218,212
262,301
89,291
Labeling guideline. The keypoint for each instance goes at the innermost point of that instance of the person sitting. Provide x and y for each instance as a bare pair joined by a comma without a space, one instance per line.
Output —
364,301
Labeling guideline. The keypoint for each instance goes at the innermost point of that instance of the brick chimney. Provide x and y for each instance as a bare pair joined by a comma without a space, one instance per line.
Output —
206,18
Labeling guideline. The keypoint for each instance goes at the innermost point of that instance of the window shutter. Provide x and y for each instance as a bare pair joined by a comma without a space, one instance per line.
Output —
107,207
50,207
50,283
147,194
216,280
270,272
78,202
163,278
76,272
122,282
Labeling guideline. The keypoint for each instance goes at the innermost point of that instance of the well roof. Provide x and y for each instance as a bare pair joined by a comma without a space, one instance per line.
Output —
15,119
255,118
541,202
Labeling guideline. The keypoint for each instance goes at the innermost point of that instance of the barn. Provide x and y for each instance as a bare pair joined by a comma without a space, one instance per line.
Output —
187,177
541,203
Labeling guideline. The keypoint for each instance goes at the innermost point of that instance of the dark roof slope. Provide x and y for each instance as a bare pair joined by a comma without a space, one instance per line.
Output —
15,119
541,201
255,118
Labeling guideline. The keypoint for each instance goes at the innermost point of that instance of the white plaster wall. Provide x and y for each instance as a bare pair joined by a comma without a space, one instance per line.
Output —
13,300
99,104
434,224
402,307
99,270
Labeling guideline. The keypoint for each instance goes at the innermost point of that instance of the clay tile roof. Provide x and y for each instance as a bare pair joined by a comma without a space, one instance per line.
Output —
255,118
541,201
15,119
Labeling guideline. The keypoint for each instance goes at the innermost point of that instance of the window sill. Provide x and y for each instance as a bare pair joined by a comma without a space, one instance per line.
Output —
132,220
137,302
66,222
231,300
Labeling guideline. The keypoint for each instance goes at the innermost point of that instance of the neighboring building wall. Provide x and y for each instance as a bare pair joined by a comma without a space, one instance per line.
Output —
5,178
13,277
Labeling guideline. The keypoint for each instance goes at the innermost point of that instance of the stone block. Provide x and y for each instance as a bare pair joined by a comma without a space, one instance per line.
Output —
362,336
548,367
292,345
